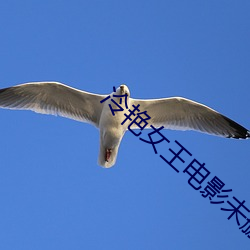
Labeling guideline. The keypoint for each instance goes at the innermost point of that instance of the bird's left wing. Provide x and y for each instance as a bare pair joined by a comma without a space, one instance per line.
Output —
183,114
53,98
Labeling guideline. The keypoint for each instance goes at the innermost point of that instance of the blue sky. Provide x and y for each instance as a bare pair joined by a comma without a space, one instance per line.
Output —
53,193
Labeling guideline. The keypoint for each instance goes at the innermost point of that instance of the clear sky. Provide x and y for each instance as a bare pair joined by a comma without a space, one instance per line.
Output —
53,193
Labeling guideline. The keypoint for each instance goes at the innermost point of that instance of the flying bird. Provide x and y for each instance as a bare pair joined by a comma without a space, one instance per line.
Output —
176,113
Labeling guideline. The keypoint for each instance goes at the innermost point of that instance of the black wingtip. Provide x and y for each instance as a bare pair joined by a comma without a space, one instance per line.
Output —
248,134
3,90
239,131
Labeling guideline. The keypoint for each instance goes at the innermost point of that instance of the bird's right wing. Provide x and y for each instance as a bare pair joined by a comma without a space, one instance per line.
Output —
53,98
183,114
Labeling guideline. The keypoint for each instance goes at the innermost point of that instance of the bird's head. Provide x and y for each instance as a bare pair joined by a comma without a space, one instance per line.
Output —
122,90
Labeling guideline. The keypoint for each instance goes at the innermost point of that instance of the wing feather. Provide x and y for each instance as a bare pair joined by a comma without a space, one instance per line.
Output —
183,114
53,98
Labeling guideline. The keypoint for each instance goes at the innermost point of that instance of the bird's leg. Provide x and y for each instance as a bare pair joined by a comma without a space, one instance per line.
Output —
108,154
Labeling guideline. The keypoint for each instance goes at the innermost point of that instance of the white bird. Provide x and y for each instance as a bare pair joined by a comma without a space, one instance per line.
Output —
173,113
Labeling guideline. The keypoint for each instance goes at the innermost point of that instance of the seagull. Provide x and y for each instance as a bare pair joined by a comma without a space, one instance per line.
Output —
176,113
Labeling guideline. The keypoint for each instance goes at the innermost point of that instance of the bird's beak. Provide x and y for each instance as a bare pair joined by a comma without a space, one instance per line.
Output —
122,89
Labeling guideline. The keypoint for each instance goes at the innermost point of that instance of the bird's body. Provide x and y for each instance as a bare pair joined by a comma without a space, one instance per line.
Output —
111,134
172,113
